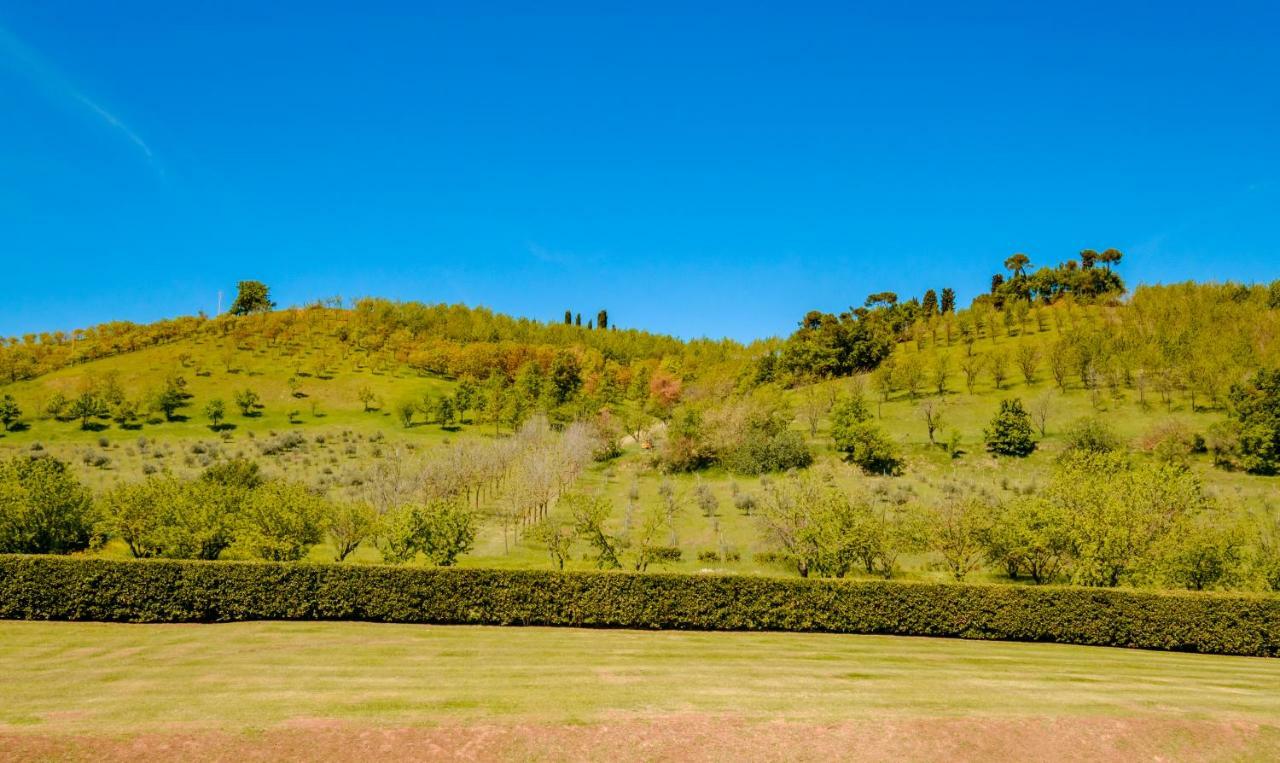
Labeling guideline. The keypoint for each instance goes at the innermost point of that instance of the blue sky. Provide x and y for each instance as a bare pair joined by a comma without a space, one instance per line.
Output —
696,169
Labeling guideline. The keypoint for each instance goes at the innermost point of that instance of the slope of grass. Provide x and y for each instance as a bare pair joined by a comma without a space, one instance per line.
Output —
104,678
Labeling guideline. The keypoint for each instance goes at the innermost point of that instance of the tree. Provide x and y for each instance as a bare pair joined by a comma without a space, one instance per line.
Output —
43,508
170,398
568,318
87,407
855,434
1017,264
252,297
1029,537
814,405
929,305
1255,407
281,521
405,411
248,402
351,523
1110,258
941,371
998,364
10,413
590,513
971,366
1200,552
959,527
948,301
1010,431
932,412
1117,510
215,411
1087,258
449,530
1041,408
602,319
367,398
1028,360
556,537
912,374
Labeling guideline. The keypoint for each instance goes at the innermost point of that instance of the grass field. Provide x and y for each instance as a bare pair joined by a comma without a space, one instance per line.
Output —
342,689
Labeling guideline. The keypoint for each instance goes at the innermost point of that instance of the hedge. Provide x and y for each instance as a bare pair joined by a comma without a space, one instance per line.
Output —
62,588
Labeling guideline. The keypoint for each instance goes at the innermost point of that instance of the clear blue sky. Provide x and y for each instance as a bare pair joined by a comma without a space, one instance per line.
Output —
702,172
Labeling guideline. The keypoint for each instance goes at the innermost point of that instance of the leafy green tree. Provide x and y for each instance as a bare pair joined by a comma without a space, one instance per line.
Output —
87,407
404,411
855,433
10,413
1029,537
56,408
602,319
281,521
169,399
252,297
215,410
442,530
43,508
247,401
1201,552
449,531
1010,431
1255,406
1117,510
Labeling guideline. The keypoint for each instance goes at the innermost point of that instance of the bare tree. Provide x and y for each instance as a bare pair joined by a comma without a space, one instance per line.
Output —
972,366
1041,409
1028,359
998,362
932,411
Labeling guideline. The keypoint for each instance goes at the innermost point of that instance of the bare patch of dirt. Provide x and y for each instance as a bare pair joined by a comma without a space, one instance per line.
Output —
686,738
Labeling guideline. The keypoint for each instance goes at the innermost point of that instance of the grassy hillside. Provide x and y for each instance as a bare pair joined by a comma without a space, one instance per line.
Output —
314,371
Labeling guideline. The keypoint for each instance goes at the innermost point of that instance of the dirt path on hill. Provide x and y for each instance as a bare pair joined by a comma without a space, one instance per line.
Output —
686,738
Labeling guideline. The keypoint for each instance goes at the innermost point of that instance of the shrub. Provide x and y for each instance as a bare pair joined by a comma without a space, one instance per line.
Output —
1010,431
1170,441
1091,434
43,508
50,588
856,434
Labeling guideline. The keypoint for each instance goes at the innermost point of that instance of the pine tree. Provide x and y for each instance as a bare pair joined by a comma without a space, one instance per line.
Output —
948,301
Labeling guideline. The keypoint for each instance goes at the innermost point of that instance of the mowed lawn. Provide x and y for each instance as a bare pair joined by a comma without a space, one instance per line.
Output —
343,690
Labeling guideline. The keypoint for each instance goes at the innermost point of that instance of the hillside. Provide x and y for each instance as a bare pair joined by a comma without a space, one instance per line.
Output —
346,397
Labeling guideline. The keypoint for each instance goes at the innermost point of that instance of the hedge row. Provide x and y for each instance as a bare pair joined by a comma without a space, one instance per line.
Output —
61,588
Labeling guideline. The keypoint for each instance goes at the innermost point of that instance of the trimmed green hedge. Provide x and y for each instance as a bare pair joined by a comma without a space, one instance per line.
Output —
61,588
